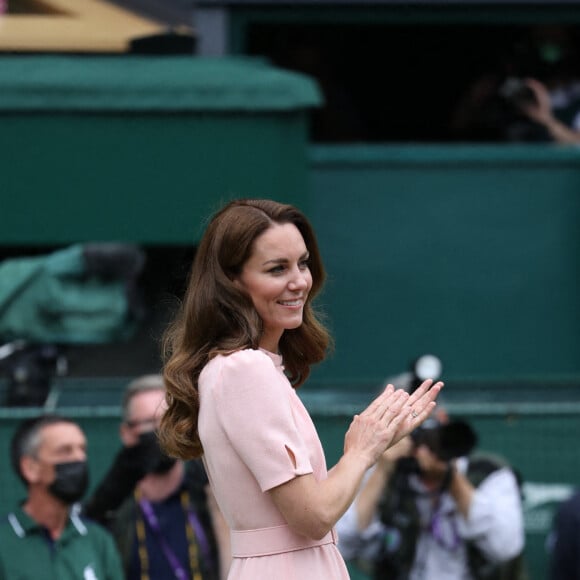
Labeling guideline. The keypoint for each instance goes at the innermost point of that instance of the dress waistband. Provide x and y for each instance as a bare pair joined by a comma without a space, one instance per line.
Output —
274,540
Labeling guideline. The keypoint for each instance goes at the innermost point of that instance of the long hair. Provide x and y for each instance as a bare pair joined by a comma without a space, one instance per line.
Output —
217,317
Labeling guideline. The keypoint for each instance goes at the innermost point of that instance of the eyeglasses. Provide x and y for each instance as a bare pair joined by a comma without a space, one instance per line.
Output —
151,423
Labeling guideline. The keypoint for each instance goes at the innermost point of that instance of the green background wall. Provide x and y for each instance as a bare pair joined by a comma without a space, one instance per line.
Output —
147,179
468,252
143,149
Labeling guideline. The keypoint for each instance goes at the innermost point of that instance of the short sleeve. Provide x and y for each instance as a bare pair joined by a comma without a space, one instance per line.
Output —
254,405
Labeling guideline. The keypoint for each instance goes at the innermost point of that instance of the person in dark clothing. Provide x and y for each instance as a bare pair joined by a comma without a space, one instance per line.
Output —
160,510
565,541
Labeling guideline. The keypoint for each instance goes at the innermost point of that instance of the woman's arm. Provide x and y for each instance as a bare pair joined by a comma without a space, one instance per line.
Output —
313,507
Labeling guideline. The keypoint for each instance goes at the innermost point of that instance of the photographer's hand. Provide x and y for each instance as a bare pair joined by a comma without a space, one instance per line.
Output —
390,457
368,499
461,489
130,465
541,112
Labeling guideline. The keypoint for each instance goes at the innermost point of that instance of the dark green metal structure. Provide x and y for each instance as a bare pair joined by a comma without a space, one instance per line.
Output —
143,149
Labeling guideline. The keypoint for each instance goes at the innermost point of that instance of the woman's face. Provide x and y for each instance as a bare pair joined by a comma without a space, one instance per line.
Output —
278,279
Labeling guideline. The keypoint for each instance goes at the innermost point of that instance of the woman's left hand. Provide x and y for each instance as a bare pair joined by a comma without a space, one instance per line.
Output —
419,406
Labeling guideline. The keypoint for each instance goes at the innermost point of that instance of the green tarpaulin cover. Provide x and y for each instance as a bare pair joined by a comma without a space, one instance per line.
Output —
71,296
157,84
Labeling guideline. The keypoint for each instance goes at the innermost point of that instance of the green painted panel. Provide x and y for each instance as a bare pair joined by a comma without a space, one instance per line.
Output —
469,252
140,178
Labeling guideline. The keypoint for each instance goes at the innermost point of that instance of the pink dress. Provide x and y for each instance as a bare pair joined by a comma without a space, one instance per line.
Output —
257,435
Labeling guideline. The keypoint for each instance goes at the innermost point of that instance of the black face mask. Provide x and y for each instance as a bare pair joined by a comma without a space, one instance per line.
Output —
159,462
71,481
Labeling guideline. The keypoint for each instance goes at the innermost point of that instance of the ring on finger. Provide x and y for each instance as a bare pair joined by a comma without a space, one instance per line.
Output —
414,414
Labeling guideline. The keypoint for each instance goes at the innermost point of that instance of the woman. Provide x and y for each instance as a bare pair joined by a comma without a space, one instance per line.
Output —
244,339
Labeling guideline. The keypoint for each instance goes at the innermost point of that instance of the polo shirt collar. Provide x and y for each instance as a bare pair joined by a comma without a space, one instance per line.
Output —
22,524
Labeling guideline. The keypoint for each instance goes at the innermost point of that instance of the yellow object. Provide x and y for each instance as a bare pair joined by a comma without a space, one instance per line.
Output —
74,26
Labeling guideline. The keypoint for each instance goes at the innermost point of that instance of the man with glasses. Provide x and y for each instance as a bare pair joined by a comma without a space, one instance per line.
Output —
160,510
432,509
45,537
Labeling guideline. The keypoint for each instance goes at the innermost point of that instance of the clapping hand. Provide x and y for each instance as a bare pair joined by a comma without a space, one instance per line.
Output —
389,418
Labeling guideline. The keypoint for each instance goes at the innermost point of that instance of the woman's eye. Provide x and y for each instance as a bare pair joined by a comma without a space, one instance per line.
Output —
276,269
304,264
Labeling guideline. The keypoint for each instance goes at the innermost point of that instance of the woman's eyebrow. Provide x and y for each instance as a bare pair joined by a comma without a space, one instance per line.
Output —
275,261
304,256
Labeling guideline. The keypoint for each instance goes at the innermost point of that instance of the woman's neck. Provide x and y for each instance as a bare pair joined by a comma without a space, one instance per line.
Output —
270,342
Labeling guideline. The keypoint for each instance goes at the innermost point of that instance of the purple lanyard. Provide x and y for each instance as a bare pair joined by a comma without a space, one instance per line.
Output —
451,541
178,570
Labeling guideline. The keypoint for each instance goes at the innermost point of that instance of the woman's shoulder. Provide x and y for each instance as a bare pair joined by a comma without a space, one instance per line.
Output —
244,356
244,360
243,370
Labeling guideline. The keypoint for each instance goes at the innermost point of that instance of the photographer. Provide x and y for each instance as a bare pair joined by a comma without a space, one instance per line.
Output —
542,110
431,510
160,511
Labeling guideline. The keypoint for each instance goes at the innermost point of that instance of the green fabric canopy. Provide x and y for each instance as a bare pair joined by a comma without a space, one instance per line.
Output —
74,295
156,84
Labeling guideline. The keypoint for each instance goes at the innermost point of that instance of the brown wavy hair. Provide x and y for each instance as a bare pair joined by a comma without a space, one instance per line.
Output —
217,317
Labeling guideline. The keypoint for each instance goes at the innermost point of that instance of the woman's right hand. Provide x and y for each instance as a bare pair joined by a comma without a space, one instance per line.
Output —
389,418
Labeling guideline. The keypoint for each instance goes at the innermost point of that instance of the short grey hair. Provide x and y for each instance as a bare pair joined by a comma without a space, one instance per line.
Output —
141,384
27,438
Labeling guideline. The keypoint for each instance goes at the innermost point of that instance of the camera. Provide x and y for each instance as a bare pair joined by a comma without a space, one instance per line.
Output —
446,440
517,92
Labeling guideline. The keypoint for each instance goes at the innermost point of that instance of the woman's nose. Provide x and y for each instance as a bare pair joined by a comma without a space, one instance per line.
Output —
300,280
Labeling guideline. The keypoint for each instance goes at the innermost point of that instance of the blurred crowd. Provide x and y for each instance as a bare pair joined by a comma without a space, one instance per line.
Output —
435,505
151,517
533,95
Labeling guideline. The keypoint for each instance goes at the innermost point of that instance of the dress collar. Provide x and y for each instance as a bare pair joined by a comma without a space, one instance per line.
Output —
276,358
